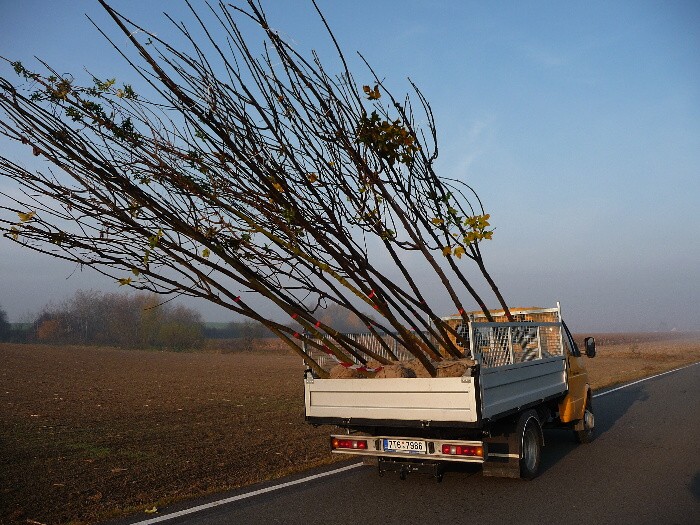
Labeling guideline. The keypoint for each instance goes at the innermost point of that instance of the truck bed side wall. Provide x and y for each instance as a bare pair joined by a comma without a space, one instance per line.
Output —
510,387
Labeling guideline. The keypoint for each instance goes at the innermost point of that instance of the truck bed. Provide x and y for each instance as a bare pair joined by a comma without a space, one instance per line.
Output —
449,401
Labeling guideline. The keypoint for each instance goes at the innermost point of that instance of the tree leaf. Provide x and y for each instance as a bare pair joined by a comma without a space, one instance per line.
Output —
24,217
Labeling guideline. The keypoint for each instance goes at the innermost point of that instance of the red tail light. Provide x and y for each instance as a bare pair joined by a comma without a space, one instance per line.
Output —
352,444
463,450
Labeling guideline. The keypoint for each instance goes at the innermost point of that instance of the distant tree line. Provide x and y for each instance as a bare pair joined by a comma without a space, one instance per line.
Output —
5,327
346,321
140,321
247,330
120,319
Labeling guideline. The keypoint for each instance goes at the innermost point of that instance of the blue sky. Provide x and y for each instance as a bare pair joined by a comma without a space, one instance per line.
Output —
577,122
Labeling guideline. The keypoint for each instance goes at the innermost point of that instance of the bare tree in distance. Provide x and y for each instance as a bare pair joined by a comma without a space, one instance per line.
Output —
246,174
136,320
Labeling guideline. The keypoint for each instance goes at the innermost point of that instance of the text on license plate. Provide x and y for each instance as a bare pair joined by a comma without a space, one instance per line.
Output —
404,445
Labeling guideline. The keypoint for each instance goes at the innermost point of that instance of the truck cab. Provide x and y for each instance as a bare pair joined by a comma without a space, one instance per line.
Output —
577,405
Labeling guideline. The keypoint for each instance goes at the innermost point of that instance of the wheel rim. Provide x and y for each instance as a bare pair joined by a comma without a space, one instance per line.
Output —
530,448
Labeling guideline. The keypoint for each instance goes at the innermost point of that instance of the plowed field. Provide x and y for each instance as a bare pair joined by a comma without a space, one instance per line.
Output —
87,434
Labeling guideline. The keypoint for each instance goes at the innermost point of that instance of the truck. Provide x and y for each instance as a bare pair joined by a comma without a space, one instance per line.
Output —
527,374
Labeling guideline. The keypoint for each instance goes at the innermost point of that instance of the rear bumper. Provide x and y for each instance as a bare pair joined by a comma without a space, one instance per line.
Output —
433,449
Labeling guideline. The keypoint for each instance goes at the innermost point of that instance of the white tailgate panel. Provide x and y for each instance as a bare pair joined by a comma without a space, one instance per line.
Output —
416,399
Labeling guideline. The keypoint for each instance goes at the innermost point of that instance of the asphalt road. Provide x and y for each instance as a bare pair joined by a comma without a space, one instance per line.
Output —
643,467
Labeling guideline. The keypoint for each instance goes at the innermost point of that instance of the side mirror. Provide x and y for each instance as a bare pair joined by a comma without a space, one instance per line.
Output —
589,343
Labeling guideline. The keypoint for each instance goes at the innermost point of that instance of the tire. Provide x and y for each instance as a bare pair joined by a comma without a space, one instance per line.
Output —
585,429
530,448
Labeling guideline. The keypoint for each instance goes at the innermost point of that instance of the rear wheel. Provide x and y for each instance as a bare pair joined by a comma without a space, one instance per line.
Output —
530,449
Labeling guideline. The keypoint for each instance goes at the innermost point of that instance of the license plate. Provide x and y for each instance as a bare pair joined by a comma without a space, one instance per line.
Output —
408,446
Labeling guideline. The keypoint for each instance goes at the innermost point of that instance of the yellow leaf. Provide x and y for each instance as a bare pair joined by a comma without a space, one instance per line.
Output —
24,217
312,177
14,233
436,221
372,94
459,251
470,237
206,253
152,510
124,281
446,251
135,271
277,186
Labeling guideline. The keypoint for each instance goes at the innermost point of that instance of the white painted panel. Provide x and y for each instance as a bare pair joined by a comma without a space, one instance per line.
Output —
417,399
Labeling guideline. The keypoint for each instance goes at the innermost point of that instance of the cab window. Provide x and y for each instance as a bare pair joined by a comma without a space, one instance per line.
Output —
569,342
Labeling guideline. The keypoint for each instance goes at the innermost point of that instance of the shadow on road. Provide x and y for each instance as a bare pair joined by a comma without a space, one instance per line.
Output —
608,411
694,486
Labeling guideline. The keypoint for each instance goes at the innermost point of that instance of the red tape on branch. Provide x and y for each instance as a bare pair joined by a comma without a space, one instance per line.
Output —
318,323
297,335
371,294
460,311
295,315
237,299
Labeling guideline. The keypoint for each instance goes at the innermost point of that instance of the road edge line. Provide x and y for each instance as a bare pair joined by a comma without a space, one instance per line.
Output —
606,392
246,495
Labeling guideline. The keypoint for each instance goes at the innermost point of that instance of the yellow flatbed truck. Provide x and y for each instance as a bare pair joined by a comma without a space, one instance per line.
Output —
527,375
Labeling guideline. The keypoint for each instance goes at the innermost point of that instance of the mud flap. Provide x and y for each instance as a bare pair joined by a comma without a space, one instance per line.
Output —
502,455
503,452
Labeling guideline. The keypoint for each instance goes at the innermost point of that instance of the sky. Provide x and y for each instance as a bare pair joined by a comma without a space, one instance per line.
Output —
578,123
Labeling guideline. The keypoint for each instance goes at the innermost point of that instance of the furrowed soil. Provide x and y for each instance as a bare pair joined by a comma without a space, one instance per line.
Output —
89,434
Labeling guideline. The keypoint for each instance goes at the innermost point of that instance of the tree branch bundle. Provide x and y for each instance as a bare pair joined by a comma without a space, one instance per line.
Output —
248,173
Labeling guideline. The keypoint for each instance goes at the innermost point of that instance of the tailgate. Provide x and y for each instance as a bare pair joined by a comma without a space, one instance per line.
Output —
445,399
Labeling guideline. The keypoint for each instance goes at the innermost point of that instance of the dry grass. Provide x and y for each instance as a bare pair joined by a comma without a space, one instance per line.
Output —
625,357
88,434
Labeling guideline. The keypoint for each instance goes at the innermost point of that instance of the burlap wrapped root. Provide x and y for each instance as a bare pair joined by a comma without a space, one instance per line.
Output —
405,369
395,369
341,372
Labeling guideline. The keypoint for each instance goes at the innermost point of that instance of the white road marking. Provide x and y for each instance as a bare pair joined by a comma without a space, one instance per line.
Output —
273,488
600,394
246,495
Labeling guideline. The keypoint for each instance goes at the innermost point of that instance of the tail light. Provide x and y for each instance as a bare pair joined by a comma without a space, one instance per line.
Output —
463,450
351,444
